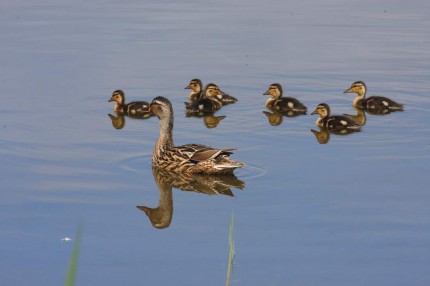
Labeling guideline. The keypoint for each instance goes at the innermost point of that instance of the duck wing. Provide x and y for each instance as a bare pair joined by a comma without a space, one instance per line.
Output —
198,153
381,102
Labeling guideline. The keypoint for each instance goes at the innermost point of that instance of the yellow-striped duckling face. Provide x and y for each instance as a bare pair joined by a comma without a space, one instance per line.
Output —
357,87
275,90
322,109
118,96
195,84
212,90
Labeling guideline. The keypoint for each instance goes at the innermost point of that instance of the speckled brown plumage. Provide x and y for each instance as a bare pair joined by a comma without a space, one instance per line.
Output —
190,158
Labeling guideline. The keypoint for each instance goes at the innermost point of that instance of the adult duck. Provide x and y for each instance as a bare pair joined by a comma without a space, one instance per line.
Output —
190,158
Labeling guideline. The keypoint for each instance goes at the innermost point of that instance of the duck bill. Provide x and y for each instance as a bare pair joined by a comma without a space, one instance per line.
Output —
347,90
187,87
110,100
266,93
314,112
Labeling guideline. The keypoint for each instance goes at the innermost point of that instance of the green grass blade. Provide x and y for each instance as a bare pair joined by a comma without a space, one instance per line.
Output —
230,253
73,265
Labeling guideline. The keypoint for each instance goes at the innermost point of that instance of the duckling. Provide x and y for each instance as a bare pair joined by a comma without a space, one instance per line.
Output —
282,104
196,86
190,158
378,104
207,104
226,98
196,89
135,108
334,122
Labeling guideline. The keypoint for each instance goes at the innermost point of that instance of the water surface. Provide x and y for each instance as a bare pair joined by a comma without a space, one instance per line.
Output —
352,211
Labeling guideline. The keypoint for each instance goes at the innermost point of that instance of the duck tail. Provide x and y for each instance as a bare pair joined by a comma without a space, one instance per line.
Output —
397,107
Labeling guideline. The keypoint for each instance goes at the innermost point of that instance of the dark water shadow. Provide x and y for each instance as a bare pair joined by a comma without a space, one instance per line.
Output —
161,216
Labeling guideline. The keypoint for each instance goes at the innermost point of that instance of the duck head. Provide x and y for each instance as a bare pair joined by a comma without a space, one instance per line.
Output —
275,90
358,87
195,85
322,109
118,96
161,107
212,91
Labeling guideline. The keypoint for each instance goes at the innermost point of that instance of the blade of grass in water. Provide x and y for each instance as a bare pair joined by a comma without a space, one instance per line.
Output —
230,253
71,273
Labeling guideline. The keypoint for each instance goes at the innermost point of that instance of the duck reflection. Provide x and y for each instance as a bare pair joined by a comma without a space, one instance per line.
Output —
118,120
323,134
161,216
275,118
209,119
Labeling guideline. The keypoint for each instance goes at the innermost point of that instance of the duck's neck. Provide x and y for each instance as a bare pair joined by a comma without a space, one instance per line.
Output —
194,95
358,100
270,102
118,107
216,102
165,141
323,119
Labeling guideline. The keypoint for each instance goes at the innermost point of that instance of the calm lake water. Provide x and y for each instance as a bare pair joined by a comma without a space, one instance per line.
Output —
353,211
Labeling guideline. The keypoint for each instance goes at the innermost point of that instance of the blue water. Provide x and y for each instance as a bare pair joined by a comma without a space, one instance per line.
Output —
353,211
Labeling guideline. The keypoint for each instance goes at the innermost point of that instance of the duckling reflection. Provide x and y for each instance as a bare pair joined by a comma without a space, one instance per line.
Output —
118,120
275,118
322,136
161,216
209,119
212,121
359,118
